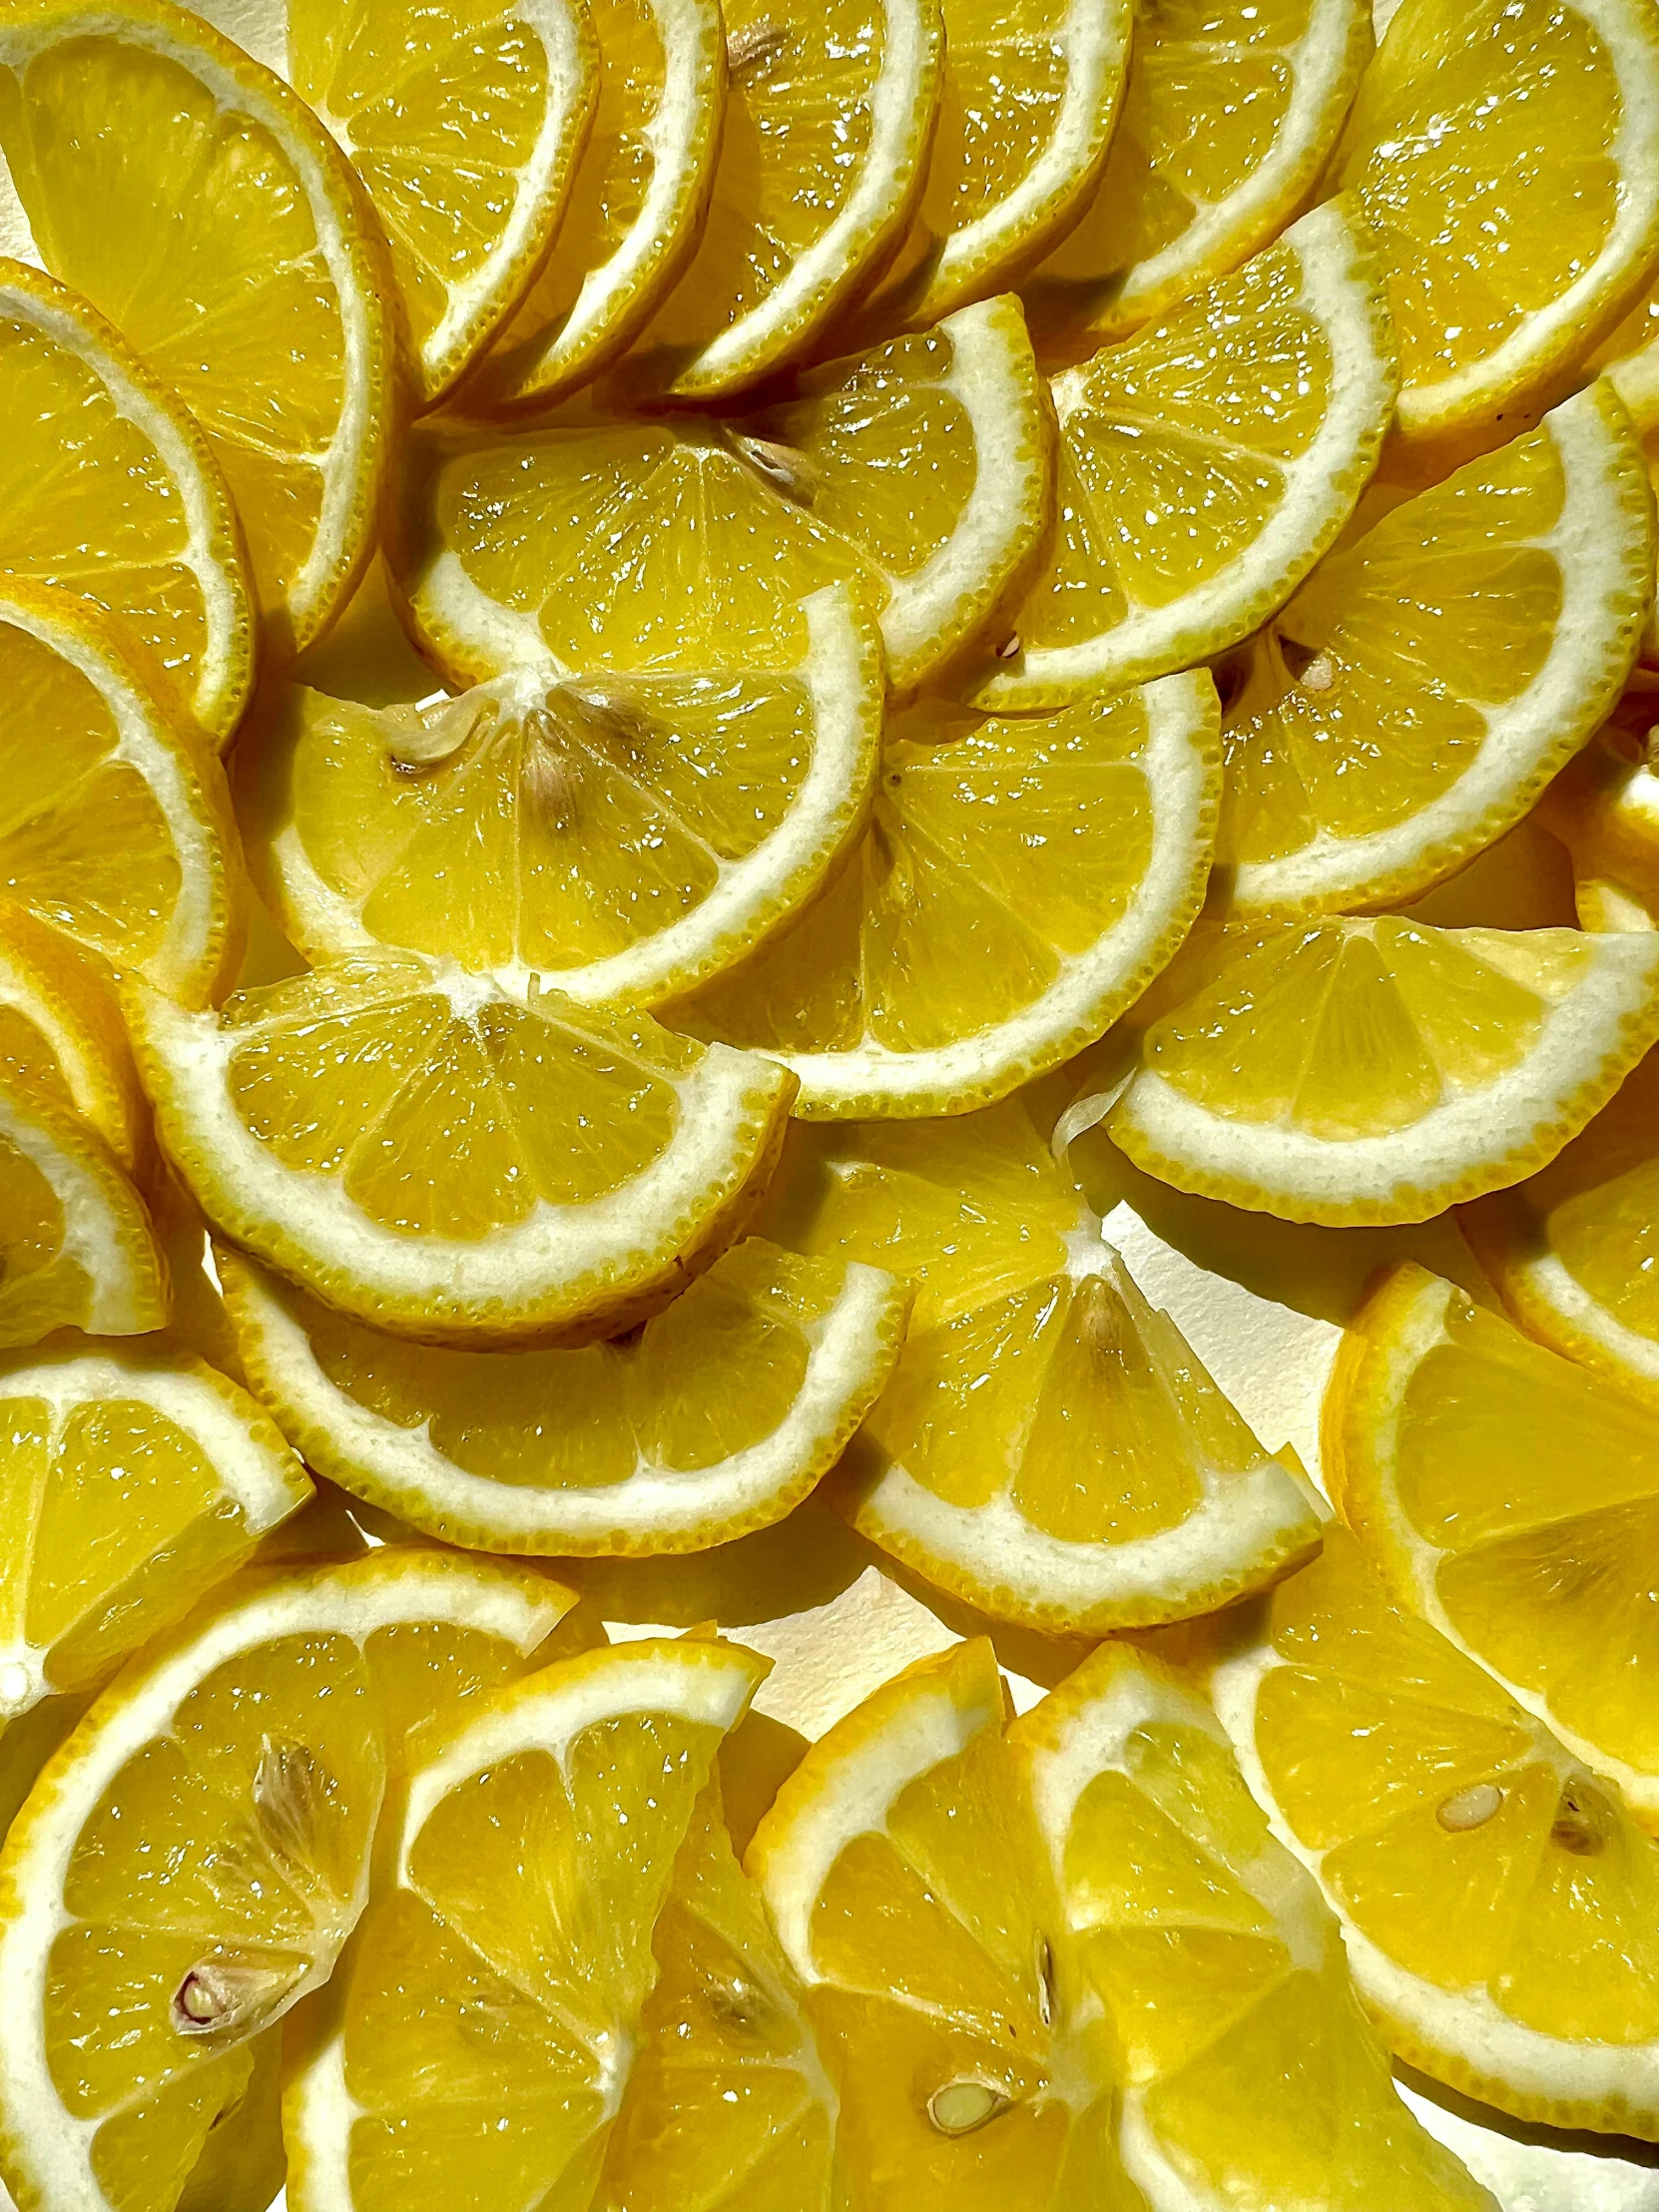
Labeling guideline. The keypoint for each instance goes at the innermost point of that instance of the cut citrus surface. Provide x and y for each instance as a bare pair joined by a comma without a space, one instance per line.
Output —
1413,700
1504,262
912,1893
652,543
201,207
476,2041
829,118
1376,1071
61,1029
1509,1498
1604,805
440,1159
984,928
465,121
1029,97
729,2106
639,197
115,825
111,490
77,1249
1250,2075
1229,115
1497,1899
1571,1248
1203,469
192,1860
131,1480
1050,1449
718,1419
608,837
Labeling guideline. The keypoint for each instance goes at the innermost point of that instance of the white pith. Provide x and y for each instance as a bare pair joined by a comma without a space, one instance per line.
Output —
402,1470
1086,995
1545,1280
1470,1131
261,1481
389,1590
845,683
206,519
726,1100
1462,2023
122,1298
1320,488
245,92
1523,741
708,1684
91,1083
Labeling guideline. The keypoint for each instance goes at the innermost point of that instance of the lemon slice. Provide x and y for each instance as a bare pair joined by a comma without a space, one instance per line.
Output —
1497,291
639,198
1228,118
1396,720
823,149
1497,1899
1507,1496
201,205
440,1159
477,2039
61,1029
116,823
609,838
131,1480
1050,1449
718,1419
1204,468
682,543
1250,2074
192,1860
1604,805
984,843
77,1249
1569,1248
113,492
1029,100
729,2105
465,122
1378,1071
910,1891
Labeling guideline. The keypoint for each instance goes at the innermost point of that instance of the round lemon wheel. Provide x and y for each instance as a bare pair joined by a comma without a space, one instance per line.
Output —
170,562
125,119
440,1159
61,1029
720,1419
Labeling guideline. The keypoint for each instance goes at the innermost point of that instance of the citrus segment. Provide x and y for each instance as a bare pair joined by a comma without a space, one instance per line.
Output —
1378,1071
115,825
1412,701
1228,117
718,1418
111,490
77,1249
477,2039
465,121
918,472
201,207
610,838
194,1856
436,1157
1509,1498
1250,2075
1049,1447
61,1030
1604,805
1497,1899
1504,262
983,928
829,118
639,195
1204,468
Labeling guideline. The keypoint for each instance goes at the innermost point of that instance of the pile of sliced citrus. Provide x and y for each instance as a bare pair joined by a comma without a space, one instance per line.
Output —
952,606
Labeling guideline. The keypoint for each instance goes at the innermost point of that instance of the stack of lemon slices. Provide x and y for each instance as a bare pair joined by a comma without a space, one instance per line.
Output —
679,673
